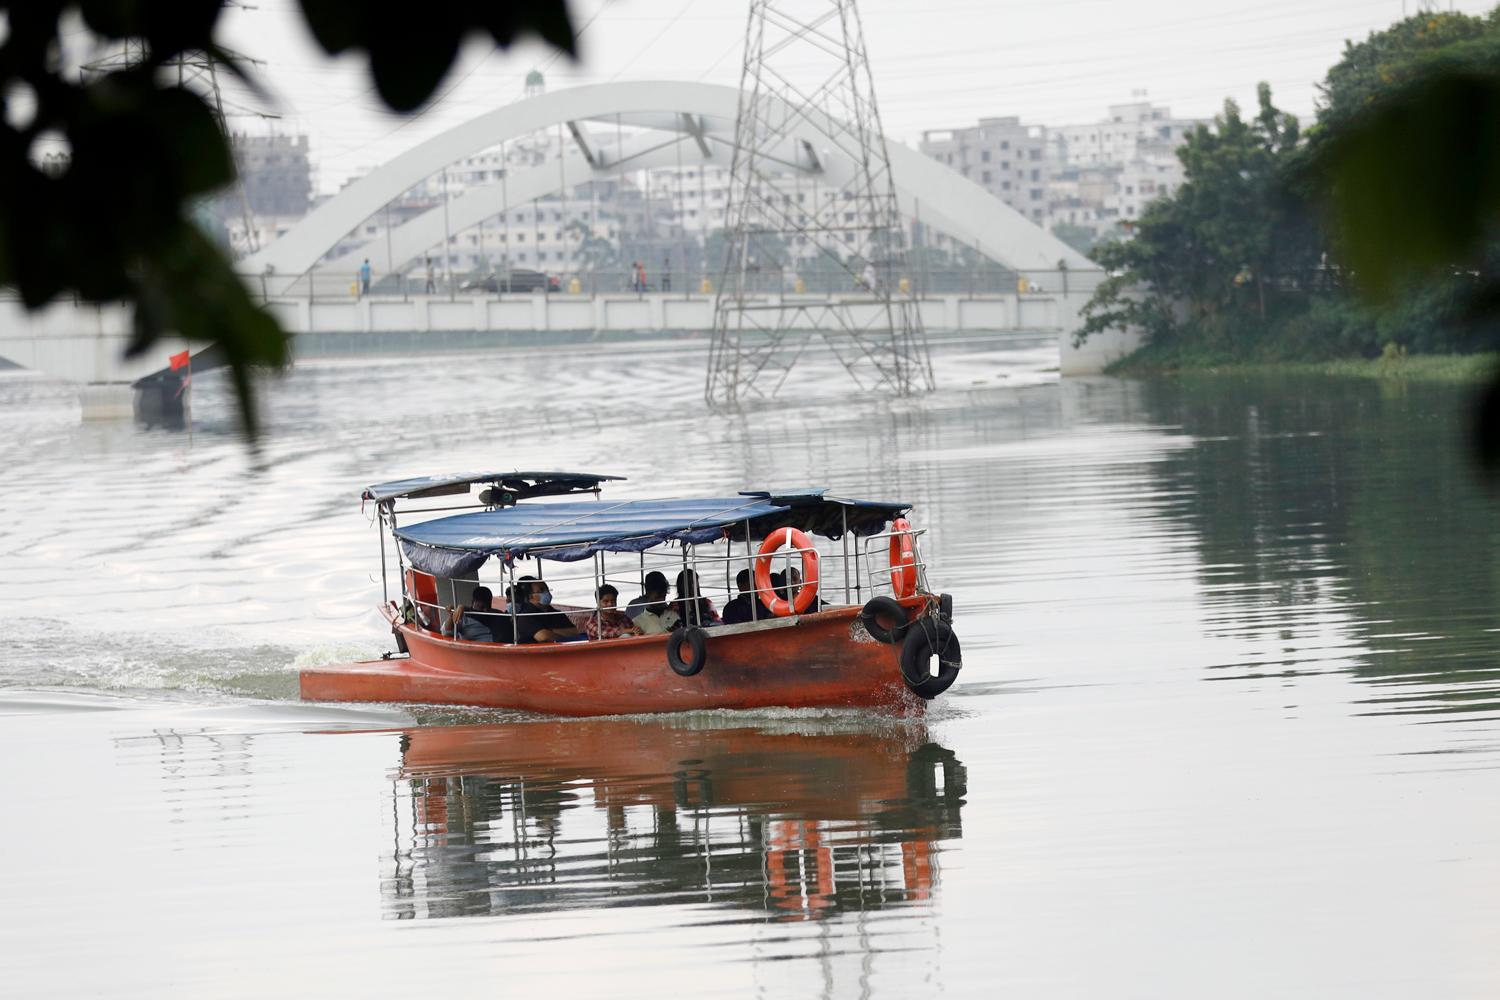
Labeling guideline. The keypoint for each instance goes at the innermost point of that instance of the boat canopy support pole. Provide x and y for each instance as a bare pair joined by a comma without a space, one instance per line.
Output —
858,579
400,559
508,571
844,513
385,588
754,590
598,601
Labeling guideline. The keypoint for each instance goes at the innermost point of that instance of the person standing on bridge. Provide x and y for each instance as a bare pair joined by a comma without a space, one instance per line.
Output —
666,273
364,277
431,278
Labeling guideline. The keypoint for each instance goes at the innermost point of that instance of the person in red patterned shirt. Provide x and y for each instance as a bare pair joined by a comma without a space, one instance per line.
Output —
610,622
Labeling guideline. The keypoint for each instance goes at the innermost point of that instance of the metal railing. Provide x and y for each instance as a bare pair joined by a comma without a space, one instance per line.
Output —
864,575
343,284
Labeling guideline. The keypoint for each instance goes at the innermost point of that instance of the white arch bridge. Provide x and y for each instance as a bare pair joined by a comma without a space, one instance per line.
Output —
671,124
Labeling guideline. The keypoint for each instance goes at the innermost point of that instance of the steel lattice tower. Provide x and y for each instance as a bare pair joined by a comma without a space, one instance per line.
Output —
198,72
807,74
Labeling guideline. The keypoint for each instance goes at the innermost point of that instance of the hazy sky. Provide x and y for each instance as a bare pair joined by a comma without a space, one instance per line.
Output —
937,64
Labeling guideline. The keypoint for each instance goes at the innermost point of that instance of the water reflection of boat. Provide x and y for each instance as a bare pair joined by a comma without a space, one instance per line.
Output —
816,624
554,816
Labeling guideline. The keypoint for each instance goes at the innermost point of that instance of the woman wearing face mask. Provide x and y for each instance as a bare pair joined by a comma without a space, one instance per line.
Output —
536,619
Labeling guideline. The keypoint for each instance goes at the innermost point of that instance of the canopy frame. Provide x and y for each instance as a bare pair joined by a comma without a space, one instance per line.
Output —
567,532
510,486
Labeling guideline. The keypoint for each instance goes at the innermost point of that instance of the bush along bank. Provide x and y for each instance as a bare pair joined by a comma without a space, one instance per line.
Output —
1426,332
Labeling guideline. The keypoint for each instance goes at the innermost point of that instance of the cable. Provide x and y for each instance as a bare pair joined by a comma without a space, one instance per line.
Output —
434,102
643,49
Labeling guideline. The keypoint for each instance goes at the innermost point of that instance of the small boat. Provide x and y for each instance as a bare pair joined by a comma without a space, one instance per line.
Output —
849,620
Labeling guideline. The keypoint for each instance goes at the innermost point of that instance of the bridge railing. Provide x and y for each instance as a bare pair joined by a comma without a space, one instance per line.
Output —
342,284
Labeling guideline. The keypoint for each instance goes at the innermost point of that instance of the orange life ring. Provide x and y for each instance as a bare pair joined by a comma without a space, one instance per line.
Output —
778,605
903,555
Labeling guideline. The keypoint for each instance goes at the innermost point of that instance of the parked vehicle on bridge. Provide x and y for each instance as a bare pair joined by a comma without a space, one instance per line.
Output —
848,620
519,280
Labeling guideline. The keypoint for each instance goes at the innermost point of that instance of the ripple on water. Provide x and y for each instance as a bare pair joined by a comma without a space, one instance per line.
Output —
1317,550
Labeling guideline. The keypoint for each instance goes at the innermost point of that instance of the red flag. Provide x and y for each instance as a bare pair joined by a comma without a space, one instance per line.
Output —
179,360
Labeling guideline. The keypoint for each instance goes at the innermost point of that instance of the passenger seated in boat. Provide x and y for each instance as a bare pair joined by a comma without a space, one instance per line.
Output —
536,619
650,612
742,608
794,584
778,589
692,607
610,622
479,622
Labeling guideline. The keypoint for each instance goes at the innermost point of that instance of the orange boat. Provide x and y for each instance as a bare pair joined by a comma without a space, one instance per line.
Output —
792,646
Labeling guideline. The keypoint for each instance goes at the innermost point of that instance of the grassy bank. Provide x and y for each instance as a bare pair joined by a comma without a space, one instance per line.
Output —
1420,367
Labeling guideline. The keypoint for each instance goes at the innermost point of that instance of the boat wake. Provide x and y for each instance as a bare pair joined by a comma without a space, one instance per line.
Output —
58,655
51,653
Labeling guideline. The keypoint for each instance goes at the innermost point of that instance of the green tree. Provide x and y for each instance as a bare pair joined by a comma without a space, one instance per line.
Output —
1409,170
1239,264
113,220
1413,187
1225,243
1388,59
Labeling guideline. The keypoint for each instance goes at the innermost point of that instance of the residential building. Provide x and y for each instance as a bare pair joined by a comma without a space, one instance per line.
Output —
1094,175
1107,172
275,186
1001,155
1128,132
275,173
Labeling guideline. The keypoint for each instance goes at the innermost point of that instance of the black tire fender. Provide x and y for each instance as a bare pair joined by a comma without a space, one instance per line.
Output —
697,641
877,608
925,639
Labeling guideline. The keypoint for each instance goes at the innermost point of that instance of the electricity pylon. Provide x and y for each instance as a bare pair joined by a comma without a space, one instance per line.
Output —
198,72
806,96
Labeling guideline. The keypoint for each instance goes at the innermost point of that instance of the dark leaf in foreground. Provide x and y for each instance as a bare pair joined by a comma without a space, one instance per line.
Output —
1487,426
112,223
1415,184
409,55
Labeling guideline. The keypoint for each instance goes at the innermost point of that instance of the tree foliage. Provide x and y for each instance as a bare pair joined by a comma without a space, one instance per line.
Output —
1413,181
1388,59
114,222
1395,188
1231,239
1407,162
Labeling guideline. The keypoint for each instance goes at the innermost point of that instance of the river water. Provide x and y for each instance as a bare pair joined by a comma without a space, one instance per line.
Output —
1228,725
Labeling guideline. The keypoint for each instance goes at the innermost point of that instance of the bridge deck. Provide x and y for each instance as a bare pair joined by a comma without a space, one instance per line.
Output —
86,343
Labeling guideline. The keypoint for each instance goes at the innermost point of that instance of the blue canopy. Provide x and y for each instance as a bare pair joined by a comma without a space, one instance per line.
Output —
568,531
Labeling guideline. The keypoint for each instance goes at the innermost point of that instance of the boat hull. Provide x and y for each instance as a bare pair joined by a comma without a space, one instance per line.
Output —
823,660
